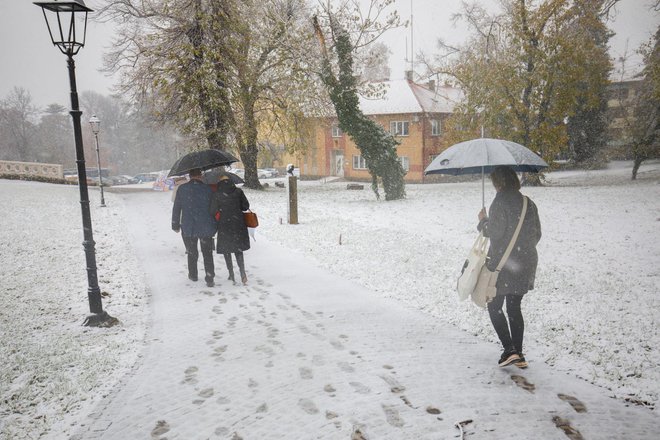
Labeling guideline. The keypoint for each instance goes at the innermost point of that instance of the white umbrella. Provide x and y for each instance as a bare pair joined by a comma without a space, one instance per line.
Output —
482,156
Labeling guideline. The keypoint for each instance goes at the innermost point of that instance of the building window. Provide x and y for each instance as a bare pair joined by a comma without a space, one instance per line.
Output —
336,132
436,128
399,128
405,163
359,163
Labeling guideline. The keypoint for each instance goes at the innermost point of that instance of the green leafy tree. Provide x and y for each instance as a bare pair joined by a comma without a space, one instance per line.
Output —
376,145
529,68
218,68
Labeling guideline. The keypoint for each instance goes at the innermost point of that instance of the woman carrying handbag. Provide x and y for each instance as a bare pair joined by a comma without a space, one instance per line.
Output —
518,272
228,204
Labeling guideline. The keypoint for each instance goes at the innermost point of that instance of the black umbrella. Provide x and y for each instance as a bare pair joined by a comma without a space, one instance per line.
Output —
211,177
203,160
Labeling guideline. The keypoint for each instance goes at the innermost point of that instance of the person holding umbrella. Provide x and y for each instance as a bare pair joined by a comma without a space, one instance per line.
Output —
227,205
517,275
190,215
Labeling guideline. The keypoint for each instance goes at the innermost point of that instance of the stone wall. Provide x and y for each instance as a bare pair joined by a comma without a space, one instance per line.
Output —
31,169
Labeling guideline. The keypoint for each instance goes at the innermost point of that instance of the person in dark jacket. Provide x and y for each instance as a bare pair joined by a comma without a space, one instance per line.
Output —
517,276
233,238
190,215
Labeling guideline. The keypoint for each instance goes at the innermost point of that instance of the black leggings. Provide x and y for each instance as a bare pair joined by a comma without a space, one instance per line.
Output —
514,339
230,267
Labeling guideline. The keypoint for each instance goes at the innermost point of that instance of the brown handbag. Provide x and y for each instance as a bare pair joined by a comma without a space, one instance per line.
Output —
251,220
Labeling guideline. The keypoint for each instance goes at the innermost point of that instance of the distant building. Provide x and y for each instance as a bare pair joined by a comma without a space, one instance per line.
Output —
414,114
622,97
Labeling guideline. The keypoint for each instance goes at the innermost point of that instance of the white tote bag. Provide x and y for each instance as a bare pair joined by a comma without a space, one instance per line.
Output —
476,259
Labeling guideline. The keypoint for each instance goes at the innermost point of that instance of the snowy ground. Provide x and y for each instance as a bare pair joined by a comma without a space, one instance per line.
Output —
594,313
596,307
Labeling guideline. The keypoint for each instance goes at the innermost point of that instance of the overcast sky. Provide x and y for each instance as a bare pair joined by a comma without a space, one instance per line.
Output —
29,60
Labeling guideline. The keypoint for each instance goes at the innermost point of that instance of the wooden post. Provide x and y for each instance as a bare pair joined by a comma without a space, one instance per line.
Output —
293,200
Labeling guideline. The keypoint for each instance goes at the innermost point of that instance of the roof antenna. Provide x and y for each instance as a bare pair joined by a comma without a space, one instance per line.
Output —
412,50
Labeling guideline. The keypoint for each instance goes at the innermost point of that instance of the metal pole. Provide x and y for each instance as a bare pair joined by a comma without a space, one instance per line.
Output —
98,317
98,162
483,190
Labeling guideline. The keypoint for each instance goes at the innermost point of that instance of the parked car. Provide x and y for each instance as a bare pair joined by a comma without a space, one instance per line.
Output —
130,179
146,177
273,172
115,180
264,174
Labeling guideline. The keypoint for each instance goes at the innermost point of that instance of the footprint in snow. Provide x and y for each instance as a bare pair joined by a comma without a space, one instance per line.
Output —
395,386
161,428
523,383
306,373
336,344
190,376
566,427
575,403
262,408
360,388
346,367
329,388
308,406
221,430
405,400
206,393
392,415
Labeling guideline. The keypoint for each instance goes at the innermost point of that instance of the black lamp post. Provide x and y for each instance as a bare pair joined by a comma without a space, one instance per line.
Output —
96,127
67,25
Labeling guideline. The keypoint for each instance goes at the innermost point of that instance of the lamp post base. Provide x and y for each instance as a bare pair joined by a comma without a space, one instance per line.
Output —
100,320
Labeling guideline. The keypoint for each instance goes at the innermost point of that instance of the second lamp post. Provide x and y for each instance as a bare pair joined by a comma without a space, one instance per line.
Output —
96,127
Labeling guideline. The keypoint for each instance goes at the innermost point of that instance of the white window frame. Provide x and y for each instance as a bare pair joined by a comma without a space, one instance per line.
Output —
336,131
405,163
436,127
399,128
359,163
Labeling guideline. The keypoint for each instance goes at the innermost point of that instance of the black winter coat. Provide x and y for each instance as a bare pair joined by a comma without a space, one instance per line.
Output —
518,274
232,233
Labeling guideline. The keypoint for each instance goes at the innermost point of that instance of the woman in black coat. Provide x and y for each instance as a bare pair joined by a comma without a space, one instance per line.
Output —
233,238
517,276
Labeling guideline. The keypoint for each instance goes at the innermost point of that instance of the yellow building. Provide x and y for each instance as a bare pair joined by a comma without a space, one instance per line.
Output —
413,113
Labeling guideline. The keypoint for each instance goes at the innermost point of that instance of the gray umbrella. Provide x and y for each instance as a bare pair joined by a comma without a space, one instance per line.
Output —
482,156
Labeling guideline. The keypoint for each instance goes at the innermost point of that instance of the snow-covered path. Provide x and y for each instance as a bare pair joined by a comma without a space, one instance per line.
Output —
302,353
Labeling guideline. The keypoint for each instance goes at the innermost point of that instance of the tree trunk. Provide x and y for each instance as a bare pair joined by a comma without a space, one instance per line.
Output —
637,162
250,149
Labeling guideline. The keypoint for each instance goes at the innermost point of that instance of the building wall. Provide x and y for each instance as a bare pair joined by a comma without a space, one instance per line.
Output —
418,146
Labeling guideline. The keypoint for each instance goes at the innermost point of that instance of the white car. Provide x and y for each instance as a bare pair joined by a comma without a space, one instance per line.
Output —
264,174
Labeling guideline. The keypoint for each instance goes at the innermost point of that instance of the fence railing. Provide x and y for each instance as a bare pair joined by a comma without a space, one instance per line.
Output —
32,169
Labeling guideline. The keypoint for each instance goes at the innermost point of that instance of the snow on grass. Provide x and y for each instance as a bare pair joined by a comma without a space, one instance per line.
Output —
595,309
52,368
594,312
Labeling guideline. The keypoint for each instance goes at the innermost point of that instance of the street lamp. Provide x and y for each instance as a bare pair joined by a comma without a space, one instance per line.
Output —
96,127
67,25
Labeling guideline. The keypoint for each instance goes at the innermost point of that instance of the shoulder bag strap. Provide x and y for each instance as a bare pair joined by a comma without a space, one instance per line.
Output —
514,238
